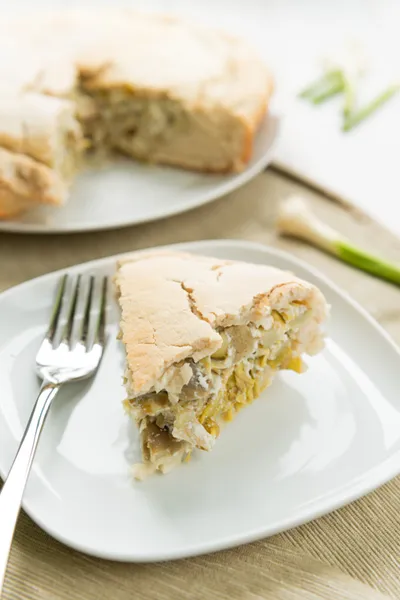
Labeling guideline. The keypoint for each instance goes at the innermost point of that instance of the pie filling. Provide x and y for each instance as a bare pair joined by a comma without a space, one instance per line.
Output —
155,129
189,412
122,121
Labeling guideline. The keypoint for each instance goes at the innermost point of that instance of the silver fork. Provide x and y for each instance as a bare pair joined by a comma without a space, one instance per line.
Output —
57,363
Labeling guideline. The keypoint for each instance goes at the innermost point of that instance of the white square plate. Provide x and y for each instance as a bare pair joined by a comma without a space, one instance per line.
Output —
310,444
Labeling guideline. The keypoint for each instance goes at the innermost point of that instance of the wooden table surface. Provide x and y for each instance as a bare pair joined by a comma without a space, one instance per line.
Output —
351,553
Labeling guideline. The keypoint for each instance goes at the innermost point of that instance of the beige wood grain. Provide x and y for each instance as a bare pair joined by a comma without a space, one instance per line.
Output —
348,554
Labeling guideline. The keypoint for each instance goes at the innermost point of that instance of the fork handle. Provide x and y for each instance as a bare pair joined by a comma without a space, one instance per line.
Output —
14,485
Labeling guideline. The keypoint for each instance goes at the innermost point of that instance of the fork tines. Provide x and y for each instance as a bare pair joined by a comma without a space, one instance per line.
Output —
85,295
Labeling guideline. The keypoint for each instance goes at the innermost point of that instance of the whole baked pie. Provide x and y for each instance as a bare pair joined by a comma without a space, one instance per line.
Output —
203,338
84,84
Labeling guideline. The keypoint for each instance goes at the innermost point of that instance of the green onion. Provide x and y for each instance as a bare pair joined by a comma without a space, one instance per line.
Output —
295,219
312,89
349,97
335,82
336,87
355,118
367,262
327,86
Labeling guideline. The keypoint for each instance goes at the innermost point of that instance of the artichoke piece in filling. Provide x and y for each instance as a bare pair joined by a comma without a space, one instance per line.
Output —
173,424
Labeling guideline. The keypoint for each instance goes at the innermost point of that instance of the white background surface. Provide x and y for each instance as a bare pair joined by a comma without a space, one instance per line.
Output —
294,36
309,444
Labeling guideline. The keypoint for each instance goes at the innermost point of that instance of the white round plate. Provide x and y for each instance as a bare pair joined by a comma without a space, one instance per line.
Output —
127,193
310,444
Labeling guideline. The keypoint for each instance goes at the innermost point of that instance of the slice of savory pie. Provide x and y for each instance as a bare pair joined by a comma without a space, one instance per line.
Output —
203,338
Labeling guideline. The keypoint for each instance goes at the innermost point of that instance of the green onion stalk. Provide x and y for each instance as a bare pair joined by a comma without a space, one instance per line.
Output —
327,86
342,81
295,219
352,119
